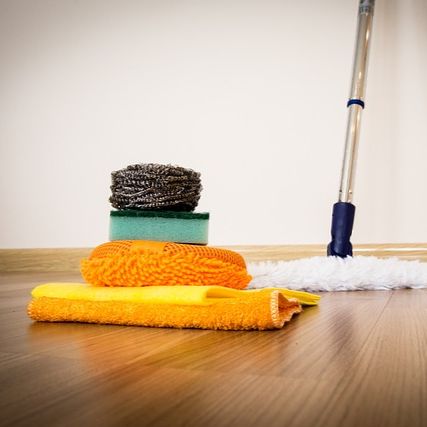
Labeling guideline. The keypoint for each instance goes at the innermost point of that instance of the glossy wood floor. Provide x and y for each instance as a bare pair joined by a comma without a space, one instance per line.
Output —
359,359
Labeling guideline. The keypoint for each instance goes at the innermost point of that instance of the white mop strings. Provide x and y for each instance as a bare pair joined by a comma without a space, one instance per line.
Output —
337,274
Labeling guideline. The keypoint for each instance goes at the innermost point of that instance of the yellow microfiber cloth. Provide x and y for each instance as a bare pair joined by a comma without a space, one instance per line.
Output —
210,307
181,295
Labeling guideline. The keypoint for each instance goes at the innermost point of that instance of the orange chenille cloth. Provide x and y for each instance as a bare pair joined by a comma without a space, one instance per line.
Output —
215,308
147,263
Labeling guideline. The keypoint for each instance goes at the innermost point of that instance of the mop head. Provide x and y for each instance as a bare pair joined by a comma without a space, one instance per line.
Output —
337,274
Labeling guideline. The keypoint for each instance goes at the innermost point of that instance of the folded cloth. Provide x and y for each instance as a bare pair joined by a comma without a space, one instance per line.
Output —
180,295
177,306
147,263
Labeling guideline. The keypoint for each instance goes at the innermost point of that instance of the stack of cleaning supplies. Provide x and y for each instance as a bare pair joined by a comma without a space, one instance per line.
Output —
159,281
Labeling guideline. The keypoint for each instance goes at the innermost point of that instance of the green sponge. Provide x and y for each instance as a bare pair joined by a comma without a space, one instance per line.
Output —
164,226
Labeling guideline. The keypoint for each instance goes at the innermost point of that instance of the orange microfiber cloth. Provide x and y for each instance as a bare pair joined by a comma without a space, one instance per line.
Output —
147,263
212,307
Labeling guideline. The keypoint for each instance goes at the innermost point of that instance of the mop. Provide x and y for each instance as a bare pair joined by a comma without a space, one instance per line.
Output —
340,271
339,274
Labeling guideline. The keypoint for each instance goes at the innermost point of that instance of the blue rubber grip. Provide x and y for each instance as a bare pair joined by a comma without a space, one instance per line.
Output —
342,226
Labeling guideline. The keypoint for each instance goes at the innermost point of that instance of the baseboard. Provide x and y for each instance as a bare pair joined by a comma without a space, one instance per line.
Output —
68,259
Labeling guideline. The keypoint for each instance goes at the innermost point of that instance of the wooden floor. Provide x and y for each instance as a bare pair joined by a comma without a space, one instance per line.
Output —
359,359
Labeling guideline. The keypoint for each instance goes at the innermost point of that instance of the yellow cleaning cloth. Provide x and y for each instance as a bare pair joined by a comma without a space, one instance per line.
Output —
177,295
175,306
182,295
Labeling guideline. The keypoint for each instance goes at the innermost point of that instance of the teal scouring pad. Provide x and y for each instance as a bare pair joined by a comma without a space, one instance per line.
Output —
165,226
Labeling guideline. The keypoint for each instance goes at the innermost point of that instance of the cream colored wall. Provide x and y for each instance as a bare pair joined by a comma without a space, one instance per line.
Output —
250,93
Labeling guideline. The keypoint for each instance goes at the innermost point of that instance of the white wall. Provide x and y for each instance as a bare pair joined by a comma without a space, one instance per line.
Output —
250,93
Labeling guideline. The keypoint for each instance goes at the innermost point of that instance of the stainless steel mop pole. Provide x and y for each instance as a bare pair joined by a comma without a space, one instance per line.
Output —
343,210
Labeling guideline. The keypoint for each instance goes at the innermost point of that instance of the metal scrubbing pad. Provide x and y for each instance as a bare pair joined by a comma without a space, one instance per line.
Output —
155,186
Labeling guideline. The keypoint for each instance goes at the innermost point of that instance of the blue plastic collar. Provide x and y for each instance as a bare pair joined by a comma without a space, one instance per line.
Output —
356,101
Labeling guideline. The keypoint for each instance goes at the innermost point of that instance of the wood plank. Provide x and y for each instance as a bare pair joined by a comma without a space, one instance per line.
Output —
68,259
387,381
257,253
42,260
359,358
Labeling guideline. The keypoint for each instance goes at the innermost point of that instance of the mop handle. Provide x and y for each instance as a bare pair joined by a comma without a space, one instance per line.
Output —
356,102
343,210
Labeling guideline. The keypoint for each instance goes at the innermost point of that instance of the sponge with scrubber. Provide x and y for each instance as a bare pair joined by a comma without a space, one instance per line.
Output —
179,227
